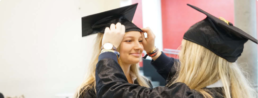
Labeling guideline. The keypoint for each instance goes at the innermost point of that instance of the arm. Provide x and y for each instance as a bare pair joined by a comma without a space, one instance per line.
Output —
164,65
111,82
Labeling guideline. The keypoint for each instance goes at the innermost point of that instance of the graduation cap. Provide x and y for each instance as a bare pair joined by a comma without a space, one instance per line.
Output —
219,36
97,23
1,95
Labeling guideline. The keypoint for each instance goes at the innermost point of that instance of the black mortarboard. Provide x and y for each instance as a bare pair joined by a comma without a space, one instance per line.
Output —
1,95
223,39
97,23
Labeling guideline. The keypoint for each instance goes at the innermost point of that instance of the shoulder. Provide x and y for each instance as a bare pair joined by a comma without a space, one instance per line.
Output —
182,89
214,92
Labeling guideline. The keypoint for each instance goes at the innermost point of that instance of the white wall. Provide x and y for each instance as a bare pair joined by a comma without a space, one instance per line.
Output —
88,7
42,53
125,2
151,13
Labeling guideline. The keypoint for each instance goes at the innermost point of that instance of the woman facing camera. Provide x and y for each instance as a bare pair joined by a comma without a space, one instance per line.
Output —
130,49
207,67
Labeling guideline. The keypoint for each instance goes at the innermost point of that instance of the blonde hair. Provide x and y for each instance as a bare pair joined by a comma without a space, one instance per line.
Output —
199,67
90,82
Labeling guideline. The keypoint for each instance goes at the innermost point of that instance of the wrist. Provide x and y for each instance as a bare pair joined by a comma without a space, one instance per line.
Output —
152,50
156,56
109,46
110,50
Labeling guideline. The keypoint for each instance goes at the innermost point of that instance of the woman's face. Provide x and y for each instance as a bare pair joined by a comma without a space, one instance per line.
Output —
131,48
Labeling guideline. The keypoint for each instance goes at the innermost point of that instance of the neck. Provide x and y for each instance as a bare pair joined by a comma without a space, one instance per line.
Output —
126,69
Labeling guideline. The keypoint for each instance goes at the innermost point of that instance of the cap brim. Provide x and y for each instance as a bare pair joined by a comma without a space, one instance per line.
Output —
87,21
225,25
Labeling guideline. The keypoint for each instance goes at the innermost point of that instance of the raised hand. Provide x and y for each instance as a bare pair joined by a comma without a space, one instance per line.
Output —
114,34
148,43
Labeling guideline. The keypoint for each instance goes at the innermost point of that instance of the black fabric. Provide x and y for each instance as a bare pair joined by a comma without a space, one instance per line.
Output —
225,40
110,55
219,24
1,95
112,83
222,44
159,69
90,93
163,65
98,22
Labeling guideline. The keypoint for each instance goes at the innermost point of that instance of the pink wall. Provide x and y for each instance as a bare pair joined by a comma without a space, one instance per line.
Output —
177,17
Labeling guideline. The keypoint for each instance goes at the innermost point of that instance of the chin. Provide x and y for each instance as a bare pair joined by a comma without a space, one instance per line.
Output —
135,61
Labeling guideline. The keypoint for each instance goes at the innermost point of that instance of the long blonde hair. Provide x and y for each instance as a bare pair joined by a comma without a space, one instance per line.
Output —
199,67
90,83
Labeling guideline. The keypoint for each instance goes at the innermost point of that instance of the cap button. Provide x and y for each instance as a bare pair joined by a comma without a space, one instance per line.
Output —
223,19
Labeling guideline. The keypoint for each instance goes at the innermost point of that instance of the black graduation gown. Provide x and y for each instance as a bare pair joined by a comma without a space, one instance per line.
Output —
112,83
90,93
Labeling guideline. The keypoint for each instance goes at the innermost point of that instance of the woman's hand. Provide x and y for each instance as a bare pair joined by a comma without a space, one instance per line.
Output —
114,34
148,43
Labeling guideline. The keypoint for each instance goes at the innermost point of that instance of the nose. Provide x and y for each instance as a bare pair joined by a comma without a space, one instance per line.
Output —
138,46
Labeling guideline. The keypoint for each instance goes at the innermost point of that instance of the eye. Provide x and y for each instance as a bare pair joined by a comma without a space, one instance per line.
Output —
128,40
140,40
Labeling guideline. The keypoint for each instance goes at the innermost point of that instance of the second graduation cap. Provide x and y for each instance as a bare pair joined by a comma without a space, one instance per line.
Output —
97,23
219,36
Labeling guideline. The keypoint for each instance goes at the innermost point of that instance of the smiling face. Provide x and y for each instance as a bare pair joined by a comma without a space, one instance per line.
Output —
131,48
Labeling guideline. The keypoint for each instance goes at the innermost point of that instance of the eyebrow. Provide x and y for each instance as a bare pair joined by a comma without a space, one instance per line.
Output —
131,37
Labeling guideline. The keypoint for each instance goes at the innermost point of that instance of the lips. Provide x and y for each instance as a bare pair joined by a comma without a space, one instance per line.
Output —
135,54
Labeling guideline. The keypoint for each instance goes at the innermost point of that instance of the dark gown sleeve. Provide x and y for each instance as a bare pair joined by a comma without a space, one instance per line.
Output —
90,93
165,66
112,83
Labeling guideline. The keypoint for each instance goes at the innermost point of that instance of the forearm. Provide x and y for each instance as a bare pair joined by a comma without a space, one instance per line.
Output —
157,56
164,65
